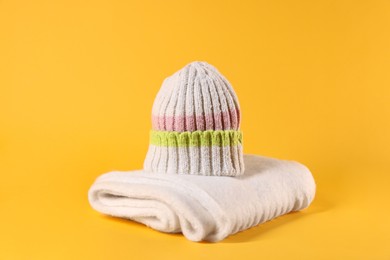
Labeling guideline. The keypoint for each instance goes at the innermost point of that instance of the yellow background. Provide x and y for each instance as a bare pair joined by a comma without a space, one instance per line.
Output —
78,79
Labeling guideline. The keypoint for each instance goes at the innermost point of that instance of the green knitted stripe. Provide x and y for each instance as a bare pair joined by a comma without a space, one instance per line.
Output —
197,138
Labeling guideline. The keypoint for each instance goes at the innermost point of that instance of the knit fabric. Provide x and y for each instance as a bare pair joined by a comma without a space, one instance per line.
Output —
195,121
206,207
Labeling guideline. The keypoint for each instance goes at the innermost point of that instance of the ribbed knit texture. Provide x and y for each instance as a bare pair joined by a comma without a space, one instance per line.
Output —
195,121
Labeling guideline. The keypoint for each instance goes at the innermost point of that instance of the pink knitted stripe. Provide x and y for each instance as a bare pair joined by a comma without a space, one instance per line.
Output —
228,120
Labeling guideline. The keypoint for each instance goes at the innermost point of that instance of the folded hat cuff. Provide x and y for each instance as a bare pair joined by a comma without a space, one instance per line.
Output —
209,153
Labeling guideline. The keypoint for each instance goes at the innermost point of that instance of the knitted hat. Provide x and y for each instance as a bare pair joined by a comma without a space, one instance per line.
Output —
195,121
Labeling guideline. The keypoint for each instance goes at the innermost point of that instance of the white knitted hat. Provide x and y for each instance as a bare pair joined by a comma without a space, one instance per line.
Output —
196,119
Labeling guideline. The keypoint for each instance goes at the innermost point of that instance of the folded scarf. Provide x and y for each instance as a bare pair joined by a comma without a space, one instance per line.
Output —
206,208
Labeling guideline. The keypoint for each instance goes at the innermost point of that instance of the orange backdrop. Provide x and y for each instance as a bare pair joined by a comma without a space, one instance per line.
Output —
77,83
